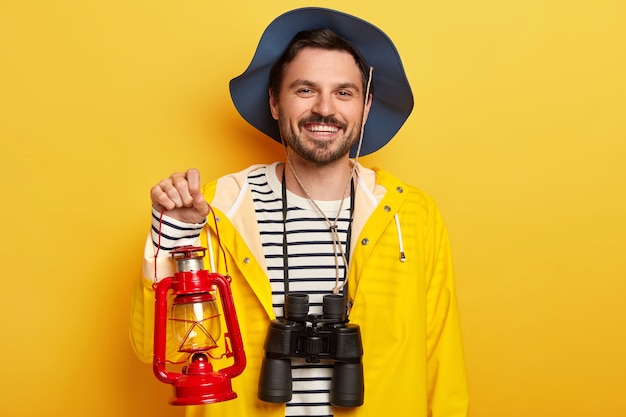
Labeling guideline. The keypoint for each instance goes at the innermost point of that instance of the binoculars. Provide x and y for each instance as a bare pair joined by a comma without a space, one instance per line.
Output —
314,337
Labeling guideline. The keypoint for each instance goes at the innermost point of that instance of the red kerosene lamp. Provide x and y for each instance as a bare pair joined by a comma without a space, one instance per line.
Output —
194,323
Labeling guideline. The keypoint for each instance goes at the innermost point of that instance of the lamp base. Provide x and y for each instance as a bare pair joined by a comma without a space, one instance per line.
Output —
202,389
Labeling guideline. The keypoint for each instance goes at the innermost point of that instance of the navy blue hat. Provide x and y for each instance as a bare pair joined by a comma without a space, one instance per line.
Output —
393,99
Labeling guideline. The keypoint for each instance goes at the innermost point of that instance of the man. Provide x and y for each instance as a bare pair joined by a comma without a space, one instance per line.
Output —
319,224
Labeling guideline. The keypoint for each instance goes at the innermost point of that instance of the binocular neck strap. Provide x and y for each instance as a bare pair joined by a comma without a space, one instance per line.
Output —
332,229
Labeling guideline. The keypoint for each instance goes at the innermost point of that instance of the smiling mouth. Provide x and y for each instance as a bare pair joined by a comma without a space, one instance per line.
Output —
321,129
318,125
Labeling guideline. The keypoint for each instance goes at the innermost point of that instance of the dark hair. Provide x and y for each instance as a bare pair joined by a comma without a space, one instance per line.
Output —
316,38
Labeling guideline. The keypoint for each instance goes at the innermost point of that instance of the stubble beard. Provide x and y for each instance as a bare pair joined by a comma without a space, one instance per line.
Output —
322,152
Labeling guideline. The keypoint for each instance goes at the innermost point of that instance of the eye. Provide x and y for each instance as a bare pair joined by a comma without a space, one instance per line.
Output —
345,94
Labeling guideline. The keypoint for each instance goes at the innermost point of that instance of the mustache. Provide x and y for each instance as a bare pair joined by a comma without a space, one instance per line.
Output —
325,120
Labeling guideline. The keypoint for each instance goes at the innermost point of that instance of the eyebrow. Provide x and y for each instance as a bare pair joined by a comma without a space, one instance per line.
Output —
301,82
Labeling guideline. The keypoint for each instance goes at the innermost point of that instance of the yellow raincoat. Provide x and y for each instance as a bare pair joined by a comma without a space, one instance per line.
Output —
400,281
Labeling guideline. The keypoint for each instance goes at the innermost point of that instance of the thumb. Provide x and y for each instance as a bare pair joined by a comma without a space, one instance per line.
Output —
201,205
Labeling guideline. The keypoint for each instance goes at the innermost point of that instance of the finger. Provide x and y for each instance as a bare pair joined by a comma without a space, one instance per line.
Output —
180,193
160,198
193,178
199,202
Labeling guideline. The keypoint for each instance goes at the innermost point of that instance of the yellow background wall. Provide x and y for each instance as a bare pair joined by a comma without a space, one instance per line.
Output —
518,131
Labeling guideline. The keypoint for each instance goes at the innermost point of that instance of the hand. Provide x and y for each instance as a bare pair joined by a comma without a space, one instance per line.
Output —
180,197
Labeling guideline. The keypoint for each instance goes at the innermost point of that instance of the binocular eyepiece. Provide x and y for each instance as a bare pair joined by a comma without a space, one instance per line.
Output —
314,337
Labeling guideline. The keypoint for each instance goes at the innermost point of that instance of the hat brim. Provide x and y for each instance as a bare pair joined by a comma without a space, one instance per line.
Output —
393,99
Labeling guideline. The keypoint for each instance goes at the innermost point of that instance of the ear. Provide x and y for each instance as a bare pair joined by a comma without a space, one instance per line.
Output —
273,105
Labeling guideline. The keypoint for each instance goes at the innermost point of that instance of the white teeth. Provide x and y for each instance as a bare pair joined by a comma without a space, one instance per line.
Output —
322,129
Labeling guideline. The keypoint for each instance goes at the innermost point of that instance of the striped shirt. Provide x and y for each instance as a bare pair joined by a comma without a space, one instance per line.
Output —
312,270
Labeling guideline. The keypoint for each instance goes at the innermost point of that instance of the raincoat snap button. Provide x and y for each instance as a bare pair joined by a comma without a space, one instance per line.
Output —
365,241
246,260
387,209
400,189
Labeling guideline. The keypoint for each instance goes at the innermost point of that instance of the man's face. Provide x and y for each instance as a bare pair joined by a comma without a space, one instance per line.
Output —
320,105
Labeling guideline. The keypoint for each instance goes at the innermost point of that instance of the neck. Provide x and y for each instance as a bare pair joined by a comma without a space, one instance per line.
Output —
322,183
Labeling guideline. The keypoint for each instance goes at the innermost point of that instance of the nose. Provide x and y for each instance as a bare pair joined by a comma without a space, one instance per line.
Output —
324,105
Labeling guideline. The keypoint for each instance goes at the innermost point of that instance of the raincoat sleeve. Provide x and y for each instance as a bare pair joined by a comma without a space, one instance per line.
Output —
447,386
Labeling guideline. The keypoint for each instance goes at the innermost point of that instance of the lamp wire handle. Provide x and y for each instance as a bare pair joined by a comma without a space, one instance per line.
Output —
219,244
156,251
